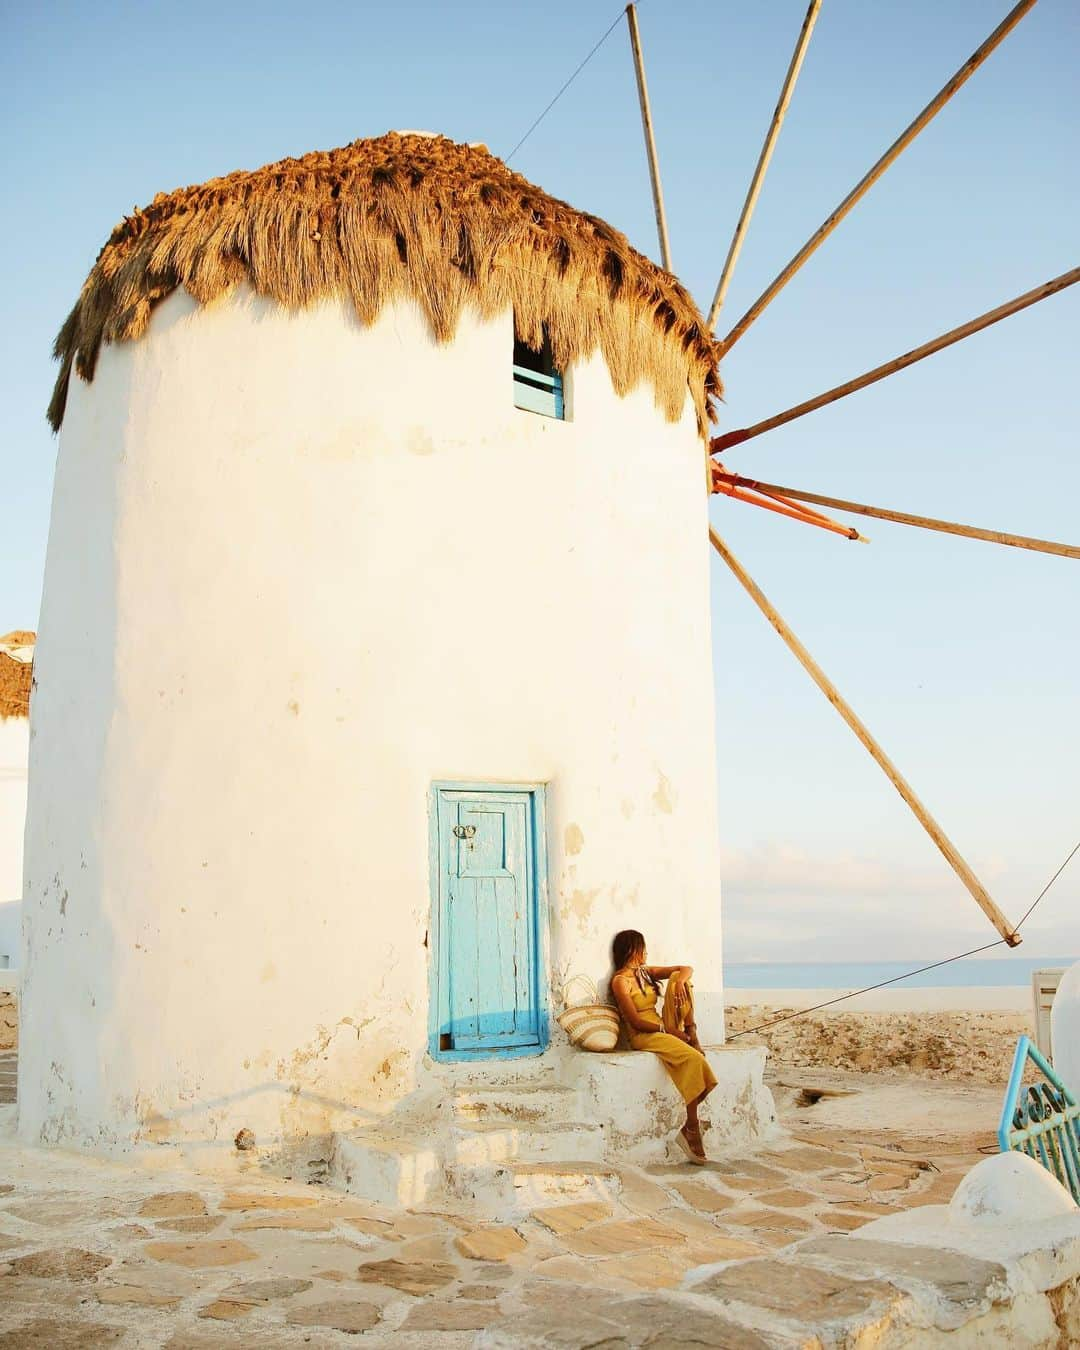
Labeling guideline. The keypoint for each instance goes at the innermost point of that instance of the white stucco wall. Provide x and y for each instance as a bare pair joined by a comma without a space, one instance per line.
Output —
297,571
14,749
1065,1029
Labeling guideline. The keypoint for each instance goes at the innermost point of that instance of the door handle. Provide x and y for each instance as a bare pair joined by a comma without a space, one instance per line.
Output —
464,831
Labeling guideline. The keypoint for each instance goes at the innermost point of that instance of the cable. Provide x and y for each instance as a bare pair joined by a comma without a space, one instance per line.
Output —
566,86
841,998
856,992
1054,878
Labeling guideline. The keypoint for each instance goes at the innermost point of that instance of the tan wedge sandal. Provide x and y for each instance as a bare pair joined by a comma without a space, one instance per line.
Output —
692,1155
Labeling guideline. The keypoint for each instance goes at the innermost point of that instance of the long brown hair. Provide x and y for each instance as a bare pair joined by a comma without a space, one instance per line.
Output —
626,945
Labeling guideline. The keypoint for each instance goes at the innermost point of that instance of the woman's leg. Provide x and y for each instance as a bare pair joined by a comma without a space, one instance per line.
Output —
687,1066
692,1128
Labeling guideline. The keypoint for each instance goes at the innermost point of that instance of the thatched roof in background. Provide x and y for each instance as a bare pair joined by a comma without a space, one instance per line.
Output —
403,215
16,672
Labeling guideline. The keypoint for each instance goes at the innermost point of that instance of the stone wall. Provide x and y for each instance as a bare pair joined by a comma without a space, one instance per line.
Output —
960,1046
9,1020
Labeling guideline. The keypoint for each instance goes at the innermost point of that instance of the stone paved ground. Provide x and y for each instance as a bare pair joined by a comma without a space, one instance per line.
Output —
103,1254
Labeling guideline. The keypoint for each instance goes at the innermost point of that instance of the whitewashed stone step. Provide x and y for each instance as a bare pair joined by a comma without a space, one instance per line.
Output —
547,1104
497,1141
466,1136
542,1183
398,1170
493,1074
511,1190
490,1160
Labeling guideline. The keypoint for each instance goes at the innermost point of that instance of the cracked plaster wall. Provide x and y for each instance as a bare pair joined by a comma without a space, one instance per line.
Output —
297,571
14,752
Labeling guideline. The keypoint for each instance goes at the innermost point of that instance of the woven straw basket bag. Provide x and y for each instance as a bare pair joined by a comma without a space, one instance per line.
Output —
591,1025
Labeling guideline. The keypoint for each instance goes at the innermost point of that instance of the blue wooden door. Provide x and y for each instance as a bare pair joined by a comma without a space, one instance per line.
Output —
487,977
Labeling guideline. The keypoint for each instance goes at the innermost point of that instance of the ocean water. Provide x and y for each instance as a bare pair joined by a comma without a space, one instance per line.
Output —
971,973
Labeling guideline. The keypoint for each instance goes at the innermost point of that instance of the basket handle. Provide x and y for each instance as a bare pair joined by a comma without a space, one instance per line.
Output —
590,985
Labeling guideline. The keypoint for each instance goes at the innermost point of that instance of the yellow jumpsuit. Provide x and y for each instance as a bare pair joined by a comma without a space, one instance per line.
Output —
689,1069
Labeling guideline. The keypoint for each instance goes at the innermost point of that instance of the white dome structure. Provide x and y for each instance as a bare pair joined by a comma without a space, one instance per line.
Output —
1009,1188
373,683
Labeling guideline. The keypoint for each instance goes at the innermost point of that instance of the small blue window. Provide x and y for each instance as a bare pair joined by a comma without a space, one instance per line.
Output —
538,386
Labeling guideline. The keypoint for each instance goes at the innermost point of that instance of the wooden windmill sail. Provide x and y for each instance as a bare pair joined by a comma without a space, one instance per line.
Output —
792,502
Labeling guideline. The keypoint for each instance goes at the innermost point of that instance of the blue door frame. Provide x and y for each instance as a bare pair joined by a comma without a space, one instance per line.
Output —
488,868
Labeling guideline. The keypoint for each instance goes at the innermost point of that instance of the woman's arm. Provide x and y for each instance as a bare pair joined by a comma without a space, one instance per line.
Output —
620,987
680,973
678,978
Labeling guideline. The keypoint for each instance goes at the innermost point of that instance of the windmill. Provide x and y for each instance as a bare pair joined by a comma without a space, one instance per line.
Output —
795,503
348,391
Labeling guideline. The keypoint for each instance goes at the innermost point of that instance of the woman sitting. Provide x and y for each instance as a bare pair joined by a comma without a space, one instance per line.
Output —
636,988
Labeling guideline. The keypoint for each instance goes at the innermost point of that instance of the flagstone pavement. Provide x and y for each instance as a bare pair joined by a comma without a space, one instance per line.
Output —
97,1253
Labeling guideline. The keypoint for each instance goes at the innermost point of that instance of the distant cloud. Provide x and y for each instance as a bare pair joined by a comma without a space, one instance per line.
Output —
779,868
787,904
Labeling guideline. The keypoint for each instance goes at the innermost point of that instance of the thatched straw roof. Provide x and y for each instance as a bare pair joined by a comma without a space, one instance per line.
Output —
16,671
403,215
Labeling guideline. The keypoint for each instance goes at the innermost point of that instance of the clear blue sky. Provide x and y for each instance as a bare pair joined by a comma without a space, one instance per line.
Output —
963,657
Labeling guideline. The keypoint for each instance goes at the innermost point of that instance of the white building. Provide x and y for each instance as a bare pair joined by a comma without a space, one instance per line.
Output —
16,656
399,701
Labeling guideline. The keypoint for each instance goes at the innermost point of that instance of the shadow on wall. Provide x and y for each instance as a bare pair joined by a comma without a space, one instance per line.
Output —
10,921
304,1113
304,1118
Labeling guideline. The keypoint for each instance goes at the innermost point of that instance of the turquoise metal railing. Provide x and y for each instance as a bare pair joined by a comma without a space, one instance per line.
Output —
1042,1119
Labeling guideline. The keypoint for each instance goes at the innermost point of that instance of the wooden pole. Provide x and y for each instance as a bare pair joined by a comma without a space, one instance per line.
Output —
864,185
763,160
925,819
729,486
904,518
992,316
650,140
